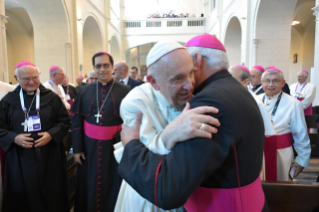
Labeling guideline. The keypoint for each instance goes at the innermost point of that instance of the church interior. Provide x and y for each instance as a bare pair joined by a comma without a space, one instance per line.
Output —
67,33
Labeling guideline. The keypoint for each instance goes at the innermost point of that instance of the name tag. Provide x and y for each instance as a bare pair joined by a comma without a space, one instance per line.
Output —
34,123
68,97
296,95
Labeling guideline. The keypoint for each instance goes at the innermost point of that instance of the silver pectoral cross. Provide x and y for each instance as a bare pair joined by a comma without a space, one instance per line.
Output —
98,115
25,124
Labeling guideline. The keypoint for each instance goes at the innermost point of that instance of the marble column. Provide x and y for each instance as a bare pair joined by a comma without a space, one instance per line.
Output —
315,75
254,54
4,76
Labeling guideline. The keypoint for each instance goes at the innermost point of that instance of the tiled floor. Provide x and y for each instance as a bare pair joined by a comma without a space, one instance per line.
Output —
309,174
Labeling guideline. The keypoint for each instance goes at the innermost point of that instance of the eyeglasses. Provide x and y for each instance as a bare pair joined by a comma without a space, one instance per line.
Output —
25,79
93,78
99,66
61,74
275,81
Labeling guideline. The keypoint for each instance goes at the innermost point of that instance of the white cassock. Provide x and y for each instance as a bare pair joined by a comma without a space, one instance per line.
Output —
289,122
269,128
157,113
4,89
305,93
58,89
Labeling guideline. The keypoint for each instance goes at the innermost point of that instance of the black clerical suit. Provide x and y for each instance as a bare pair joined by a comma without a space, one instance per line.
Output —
259,90
36,178
231,159
98,181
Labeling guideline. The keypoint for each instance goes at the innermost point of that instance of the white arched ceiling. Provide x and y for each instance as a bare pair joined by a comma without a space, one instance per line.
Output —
233,41
50,30
273,32
115,49
20,39
92,42
302,39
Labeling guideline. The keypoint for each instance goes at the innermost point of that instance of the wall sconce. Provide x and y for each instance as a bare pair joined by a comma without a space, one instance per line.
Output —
295,23
81,21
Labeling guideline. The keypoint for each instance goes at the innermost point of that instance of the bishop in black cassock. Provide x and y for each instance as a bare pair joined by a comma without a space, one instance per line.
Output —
218,174
35,176
94,127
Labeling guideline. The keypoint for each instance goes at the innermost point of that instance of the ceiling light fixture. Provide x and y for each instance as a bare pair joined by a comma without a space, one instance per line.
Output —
295,23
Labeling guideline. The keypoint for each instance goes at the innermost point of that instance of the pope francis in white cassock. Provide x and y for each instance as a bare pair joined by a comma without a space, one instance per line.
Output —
288,119
157,114
304,91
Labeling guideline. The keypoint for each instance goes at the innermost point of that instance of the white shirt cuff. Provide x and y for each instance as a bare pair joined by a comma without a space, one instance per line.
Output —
162,147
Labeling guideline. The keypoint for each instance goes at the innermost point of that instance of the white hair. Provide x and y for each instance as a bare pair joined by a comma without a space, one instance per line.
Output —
270,72
92,73
216,59
16,71
153,69
304,73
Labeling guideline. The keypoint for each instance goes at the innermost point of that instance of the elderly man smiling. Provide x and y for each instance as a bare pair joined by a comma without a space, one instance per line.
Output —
288,119
33,123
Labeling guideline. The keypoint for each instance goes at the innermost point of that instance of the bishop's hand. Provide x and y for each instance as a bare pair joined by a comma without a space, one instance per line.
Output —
23,140
298,168
45,138
191,123
131,133
78,157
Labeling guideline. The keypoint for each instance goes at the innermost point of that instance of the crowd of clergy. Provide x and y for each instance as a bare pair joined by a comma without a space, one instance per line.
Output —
196,135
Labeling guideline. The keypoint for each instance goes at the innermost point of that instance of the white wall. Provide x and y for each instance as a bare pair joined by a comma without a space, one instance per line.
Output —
233,42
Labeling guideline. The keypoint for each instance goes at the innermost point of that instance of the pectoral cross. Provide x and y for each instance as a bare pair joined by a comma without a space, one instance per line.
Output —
98,115
25,124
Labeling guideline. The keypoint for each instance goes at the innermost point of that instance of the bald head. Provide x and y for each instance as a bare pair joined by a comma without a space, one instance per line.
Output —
121,70
255,76
240,75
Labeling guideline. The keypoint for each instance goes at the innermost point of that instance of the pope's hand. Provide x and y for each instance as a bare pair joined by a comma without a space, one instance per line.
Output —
78,156
298,168
187,126
131,133
46,138
23,140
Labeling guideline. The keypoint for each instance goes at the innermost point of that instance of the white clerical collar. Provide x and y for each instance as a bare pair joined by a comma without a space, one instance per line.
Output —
125,80
52,83
161,99
301,84
30,93
272,97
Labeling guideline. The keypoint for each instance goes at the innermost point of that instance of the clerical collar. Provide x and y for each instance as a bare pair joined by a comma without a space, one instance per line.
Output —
30,93
161,99
105,83
301,84
218,75
272,97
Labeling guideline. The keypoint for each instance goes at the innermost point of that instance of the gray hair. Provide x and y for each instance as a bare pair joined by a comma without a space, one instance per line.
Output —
54,71
216,59
270,72
244,75
16,71
92,73
304,73
153,69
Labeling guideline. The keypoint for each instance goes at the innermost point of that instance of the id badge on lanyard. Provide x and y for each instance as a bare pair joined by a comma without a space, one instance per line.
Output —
31,123
68,97
34,123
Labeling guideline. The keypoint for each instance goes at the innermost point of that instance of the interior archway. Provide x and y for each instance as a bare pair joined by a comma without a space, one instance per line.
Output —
115,49
92,43
20,39
233,41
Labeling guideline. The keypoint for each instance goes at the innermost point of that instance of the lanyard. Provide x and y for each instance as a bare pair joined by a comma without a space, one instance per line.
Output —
301,88
258,89
57,86
276,105
26,112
